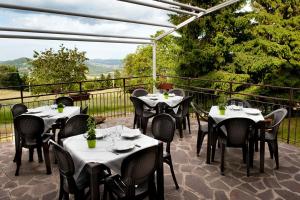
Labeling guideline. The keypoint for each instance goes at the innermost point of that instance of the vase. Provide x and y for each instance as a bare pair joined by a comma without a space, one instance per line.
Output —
166,96
91,143
222,112
60,110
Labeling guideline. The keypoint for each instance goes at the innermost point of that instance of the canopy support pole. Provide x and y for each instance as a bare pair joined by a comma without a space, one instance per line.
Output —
154,65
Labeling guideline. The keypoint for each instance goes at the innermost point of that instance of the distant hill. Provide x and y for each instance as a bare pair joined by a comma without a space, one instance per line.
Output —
96,66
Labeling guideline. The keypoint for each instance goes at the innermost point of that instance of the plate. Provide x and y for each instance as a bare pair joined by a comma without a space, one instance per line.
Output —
153,98
131,133
172,95
252,111
33,112
123,146
234,107
152,95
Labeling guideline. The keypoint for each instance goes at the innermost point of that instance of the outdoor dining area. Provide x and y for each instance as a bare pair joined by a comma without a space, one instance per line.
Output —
169,148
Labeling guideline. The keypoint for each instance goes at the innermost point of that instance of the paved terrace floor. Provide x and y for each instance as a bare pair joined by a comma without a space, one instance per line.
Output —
197,179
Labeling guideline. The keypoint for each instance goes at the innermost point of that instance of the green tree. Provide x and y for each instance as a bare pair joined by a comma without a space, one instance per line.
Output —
9,76
117,75
108,81
65,65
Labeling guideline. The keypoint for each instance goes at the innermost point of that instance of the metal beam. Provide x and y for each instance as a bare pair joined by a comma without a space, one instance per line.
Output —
182,5
71,39
154,65
212,9
159,7
60,12
70,33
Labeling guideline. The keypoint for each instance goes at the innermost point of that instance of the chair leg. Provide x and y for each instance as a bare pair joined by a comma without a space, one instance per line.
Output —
248,159
256,145
31,151
47,158
222,158
180,128
251,152
40,155
169,162
244,150
200,139
144,125
275,145
213,149
134,120
189,124
271,149
18,160
61,189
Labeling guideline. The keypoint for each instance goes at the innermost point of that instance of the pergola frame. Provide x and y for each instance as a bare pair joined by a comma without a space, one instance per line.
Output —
195,12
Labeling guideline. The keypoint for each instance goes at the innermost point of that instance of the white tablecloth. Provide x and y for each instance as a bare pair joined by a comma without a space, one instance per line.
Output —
50,115
81,154
153,99
215,114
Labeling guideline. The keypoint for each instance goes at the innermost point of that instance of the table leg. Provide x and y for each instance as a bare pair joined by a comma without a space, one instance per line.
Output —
94,170
209,139
262,149
160,173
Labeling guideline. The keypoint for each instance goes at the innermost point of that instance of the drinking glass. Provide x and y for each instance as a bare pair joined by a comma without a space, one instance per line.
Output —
240,104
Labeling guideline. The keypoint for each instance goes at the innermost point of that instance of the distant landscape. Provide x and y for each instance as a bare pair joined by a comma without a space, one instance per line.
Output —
96,66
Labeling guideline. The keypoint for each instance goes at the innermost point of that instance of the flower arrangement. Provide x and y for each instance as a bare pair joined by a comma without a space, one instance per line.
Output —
60,107
91,133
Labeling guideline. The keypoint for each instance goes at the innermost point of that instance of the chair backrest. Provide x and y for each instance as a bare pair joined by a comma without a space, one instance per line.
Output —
163,128
65,165
141,165
67,101
139,92
139,105
278,116
30,128
200,113
74,126
185,104
177,92
84,110
246,104
237,129
18,109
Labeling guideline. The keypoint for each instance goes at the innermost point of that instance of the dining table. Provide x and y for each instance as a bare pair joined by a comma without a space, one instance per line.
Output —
113,144
233,111
170,100
50,113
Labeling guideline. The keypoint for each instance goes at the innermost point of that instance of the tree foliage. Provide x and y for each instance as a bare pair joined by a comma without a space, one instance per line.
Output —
9,76
49,67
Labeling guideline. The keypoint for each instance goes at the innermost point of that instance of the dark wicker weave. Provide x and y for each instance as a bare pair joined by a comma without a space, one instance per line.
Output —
202,120
246,104
76,125
137,176
239,132
142,115
277,117
177,92
67,101
30,130
66,171
163,128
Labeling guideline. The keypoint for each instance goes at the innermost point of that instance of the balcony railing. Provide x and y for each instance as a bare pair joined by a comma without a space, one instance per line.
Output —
110,98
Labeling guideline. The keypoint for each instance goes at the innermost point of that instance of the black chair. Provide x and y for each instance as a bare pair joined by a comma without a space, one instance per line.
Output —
163,128
177,92
182,114
76,125
236,101
16,110
202,120
138,93
137,176
66,168
30,129
239,133
84,110
142,114
271,132
67,101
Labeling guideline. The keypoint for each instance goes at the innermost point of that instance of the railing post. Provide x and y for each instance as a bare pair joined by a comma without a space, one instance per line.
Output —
290,114
80,91
124,90
21,93
230,89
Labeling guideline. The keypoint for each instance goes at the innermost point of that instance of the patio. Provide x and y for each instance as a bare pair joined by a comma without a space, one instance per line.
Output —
197,180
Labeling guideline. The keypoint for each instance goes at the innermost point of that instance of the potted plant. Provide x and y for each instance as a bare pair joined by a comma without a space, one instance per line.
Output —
222,108
91,137
60,107
166,95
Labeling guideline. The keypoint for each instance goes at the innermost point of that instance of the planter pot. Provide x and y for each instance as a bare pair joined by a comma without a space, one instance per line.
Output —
91,143
166,96
60,110
222,112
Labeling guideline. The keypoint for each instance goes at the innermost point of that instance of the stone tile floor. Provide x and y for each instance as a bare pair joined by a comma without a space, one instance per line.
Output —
197,179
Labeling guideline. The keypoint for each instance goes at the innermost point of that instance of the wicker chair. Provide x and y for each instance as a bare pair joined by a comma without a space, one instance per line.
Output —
67,101
68,184
137,176
138,93
30,129
163,128
202,120
239,133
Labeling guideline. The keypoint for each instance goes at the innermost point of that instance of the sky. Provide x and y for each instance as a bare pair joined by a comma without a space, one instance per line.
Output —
15,48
